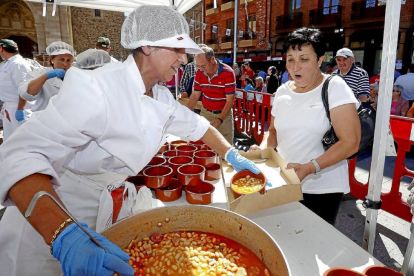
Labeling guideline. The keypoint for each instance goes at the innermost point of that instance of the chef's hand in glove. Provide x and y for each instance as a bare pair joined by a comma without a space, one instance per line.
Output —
240,163
79,255
20,115
56,73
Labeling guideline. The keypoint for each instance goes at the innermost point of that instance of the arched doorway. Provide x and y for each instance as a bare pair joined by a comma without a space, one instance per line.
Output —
17,23
25,45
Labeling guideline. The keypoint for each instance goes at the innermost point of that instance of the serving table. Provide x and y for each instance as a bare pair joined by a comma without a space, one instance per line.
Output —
311,245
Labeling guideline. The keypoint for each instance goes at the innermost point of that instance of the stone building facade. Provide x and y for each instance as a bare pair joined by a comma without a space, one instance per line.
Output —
89,24
23,22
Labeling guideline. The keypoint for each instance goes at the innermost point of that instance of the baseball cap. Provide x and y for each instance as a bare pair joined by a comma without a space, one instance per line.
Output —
59,48
159,26
344,52
7,43
103,42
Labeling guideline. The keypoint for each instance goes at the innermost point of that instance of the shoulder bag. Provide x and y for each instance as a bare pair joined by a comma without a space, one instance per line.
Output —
366,116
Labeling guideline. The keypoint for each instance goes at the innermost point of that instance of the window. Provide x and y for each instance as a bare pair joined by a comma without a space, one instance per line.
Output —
197,20
375,3
330,6
214,31
252,23
230,25
293,6
197,39
97,13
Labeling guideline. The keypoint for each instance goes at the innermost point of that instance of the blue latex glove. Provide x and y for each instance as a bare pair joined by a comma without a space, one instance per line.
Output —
240,163
21,115
56,73
79,255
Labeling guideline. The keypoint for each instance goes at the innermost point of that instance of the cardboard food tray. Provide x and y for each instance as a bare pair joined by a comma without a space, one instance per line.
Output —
184,101
285,187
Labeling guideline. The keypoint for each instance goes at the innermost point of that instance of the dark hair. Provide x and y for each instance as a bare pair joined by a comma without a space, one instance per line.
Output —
330,65
249,81
411,67
10,50
274,70
307,36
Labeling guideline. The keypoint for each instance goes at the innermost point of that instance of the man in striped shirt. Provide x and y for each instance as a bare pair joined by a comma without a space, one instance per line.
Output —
217,83
356,78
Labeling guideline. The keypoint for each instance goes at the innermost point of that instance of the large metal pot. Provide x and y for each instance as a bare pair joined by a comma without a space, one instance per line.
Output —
205,219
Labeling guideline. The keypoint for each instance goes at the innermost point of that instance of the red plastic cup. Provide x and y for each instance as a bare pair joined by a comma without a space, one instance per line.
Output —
191,175
205,157
178,161
157,177
186,150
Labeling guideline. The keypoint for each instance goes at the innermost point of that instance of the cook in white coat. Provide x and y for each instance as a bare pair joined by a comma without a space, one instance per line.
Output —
103,125
11,74
40,85
92,59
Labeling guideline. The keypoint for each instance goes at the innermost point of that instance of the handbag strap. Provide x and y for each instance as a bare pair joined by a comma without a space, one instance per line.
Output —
325,97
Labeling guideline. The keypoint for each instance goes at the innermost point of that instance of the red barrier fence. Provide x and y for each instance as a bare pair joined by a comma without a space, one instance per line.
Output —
250,110
248,107
392,202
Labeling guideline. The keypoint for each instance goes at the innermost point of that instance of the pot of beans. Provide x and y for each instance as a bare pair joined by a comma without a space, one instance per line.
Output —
197,240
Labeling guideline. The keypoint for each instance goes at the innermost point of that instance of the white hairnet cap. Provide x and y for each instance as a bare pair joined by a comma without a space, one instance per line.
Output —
92,58
59,48
156,25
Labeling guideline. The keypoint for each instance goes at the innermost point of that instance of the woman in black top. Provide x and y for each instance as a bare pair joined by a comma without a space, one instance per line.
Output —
273,81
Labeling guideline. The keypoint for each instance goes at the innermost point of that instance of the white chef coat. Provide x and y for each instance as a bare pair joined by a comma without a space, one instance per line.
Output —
49,89
11,74
100,122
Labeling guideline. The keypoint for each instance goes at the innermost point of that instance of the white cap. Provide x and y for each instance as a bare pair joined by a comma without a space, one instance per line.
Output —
59,48
92,58
156,25
344,52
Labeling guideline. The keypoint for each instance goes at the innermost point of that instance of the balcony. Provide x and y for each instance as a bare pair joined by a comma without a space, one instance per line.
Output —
213,43
227,5
289,21
227,42
326,16
247,41
367,11
248,1
210,10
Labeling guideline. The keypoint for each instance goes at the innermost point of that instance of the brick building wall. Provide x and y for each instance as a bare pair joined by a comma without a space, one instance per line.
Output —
260,8
196,30
86,28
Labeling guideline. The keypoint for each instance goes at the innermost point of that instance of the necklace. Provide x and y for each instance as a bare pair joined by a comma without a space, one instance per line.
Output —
303,87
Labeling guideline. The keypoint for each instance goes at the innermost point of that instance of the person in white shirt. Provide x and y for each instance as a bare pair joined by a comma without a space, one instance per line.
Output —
11,74
299,122
103,126
40,85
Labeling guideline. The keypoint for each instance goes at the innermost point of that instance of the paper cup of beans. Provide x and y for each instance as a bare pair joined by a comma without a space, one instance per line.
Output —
245,182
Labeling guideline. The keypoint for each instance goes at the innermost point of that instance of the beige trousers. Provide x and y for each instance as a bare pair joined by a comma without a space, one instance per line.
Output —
226,128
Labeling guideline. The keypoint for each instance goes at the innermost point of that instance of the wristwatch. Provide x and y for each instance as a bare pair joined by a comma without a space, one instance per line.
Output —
221,120
317,168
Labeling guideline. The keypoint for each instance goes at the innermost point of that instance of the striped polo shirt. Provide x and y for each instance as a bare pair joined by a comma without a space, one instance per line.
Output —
215,89
357,79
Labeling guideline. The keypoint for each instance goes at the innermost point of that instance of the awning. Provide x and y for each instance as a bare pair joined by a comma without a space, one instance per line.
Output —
123,5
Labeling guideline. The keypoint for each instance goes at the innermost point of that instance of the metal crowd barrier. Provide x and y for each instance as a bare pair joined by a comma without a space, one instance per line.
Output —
249,111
